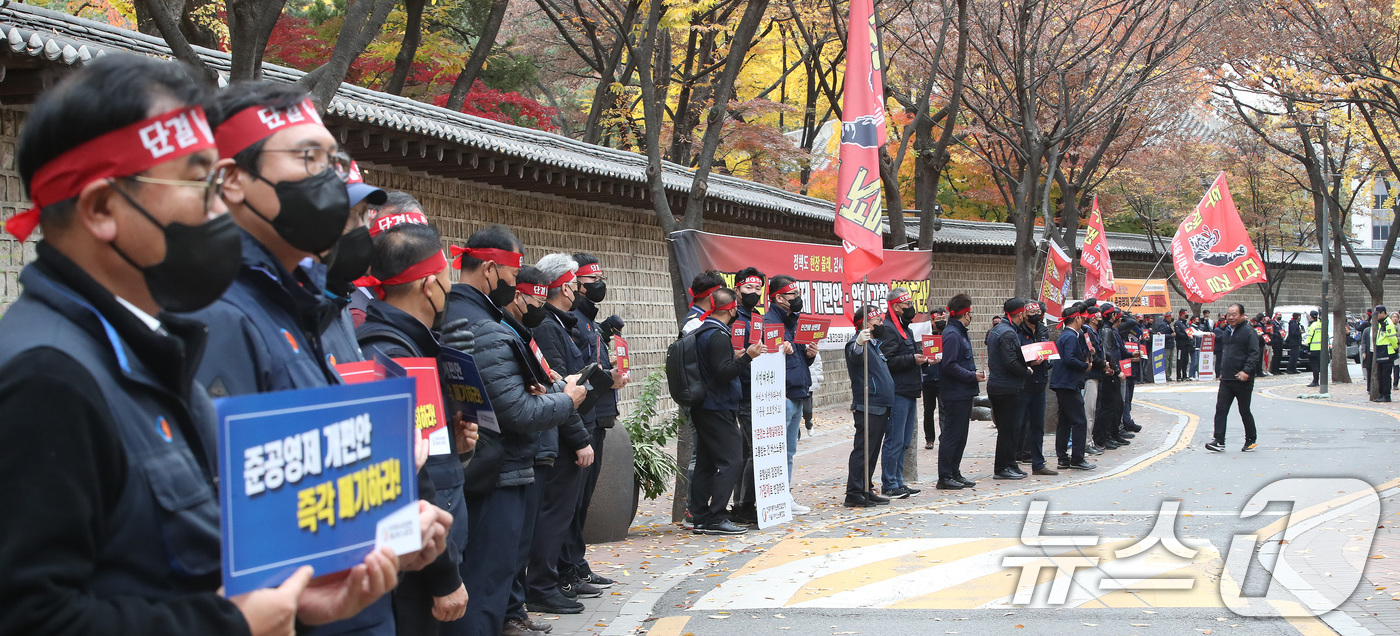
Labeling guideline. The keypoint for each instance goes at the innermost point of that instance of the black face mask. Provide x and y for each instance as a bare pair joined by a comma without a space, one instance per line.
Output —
1036,318
795,305
533,316
438,314
751,299
940,324
877,332
907,315
503,294
595,291
200,263
313,211
349,258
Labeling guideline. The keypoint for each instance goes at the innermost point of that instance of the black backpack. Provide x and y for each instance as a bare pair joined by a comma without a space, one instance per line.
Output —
683,374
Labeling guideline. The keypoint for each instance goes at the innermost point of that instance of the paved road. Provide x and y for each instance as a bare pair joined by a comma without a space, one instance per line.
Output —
955,564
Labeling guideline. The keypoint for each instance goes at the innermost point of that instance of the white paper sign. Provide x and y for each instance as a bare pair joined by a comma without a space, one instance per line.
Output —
1159,358
1206,372
770,479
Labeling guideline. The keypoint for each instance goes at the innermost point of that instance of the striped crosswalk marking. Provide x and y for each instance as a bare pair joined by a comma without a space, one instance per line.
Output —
962,573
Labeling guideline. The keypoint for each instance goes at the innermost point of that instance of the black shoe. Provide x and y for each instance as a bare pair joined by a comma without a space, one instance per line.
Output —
1249,446
857,501
556,604
1135,428
1216,445
1120,441
1006,473
720,528
1082,465
928,445
535,626
1385,399
742,516
1090,449
1107,444
911,491
877,499
1018,470
967,483
1046,470
948,484
578,588
600,582
898,492
515,626
1312,385
1126,434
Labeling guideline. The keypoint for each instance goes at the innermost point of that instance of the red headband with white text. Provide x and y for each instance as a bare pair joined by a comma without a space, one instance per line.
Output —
256,123
500,257
433,264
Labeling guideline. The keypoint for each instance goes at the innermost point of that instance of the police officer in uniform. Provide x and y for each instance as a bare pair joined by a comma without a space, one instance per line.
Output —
1314,341
1384,351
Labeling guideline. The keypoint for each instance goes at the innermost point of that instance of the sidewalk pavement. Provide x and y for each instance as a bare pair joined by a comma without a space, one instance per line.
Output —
655,546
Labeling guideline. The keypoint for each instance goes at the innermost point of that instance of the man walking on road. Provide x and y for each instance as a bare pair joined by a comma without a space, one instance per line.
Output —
1239,362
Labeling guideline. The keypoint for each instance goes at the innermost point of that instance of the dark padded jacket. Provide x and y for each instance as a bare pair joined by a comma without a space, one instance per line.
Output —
1007,370
881,383
899,350
560,351
522,416
1069,371
959,374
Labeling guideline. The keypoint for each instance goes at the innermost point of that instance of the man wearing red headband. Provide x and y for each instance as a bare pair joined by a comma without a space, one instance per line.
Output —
701,287
284,184
393,209
488,313
785,305
103,424
1032,447
932,373
749,283
1067,381
906,357
1108,416
960,379
569,452
719,451
409,279
1007,372
597,342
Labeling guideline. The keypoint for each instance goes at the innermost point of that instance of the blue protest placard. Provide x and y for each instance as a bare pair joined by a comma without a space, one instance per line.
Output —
463,391
317,477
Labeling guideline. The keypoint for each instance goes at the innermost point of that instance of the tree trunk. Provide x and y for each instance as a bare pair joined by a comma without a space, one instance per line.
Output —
894,200
412,35
169,23
250,24
364,19
479,55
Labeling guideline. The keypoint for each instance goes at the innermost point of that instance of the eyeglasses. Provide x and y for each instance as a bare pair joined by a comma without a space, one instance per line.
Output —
213,185
596,278
318,159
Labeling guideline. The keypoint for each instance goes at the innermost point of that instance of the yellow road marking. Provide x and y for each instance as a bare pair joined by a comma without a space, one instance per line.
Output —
825,586
669,626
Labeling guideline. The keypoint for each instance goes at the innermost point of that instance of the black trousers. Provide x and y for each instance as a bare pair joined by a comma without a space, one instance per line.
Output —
1366,369
1072,424
1232,390
1033,425
558,506
495,522
1315,361
1293,352
1129,387
1007,414
930,402
953,441
1397,377
534,495
860,469
1183,363
1277,361
571,560
1384,368
743,493
719,458
1108,413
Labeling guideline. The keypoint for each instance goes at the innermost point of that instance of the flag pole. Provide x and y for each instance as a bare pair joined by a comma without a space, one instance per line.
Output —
865,355
1133,302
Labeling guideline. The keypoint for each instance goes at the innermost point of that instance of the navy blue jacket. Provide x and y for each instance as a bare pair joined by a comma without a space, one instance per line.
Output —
597,351
900,351
881,382
390,331
563,355
799,377
1031,334
265,331
111,520
522,416
1007,370
337,325
1069,371
959,381
745,382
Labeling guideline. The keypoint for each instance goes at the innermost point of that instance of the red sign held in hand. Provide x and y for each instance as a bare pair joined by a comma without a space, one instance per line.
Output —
810,329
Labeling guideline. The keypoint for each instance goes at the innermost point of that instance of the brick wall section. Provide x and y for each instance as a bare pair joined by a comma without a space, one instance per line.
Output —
13,254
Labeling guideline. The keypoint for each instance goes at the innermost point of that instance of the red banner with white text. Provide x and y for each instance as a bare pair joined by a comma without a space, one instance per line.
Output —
1211,251
1054,285
858,183
1098,265
820,271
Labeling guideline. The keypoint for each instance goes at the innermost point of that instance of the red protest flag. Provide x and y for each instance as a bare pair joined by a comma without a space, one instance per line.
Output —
1211,251
1054,286
1098,266
858,188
